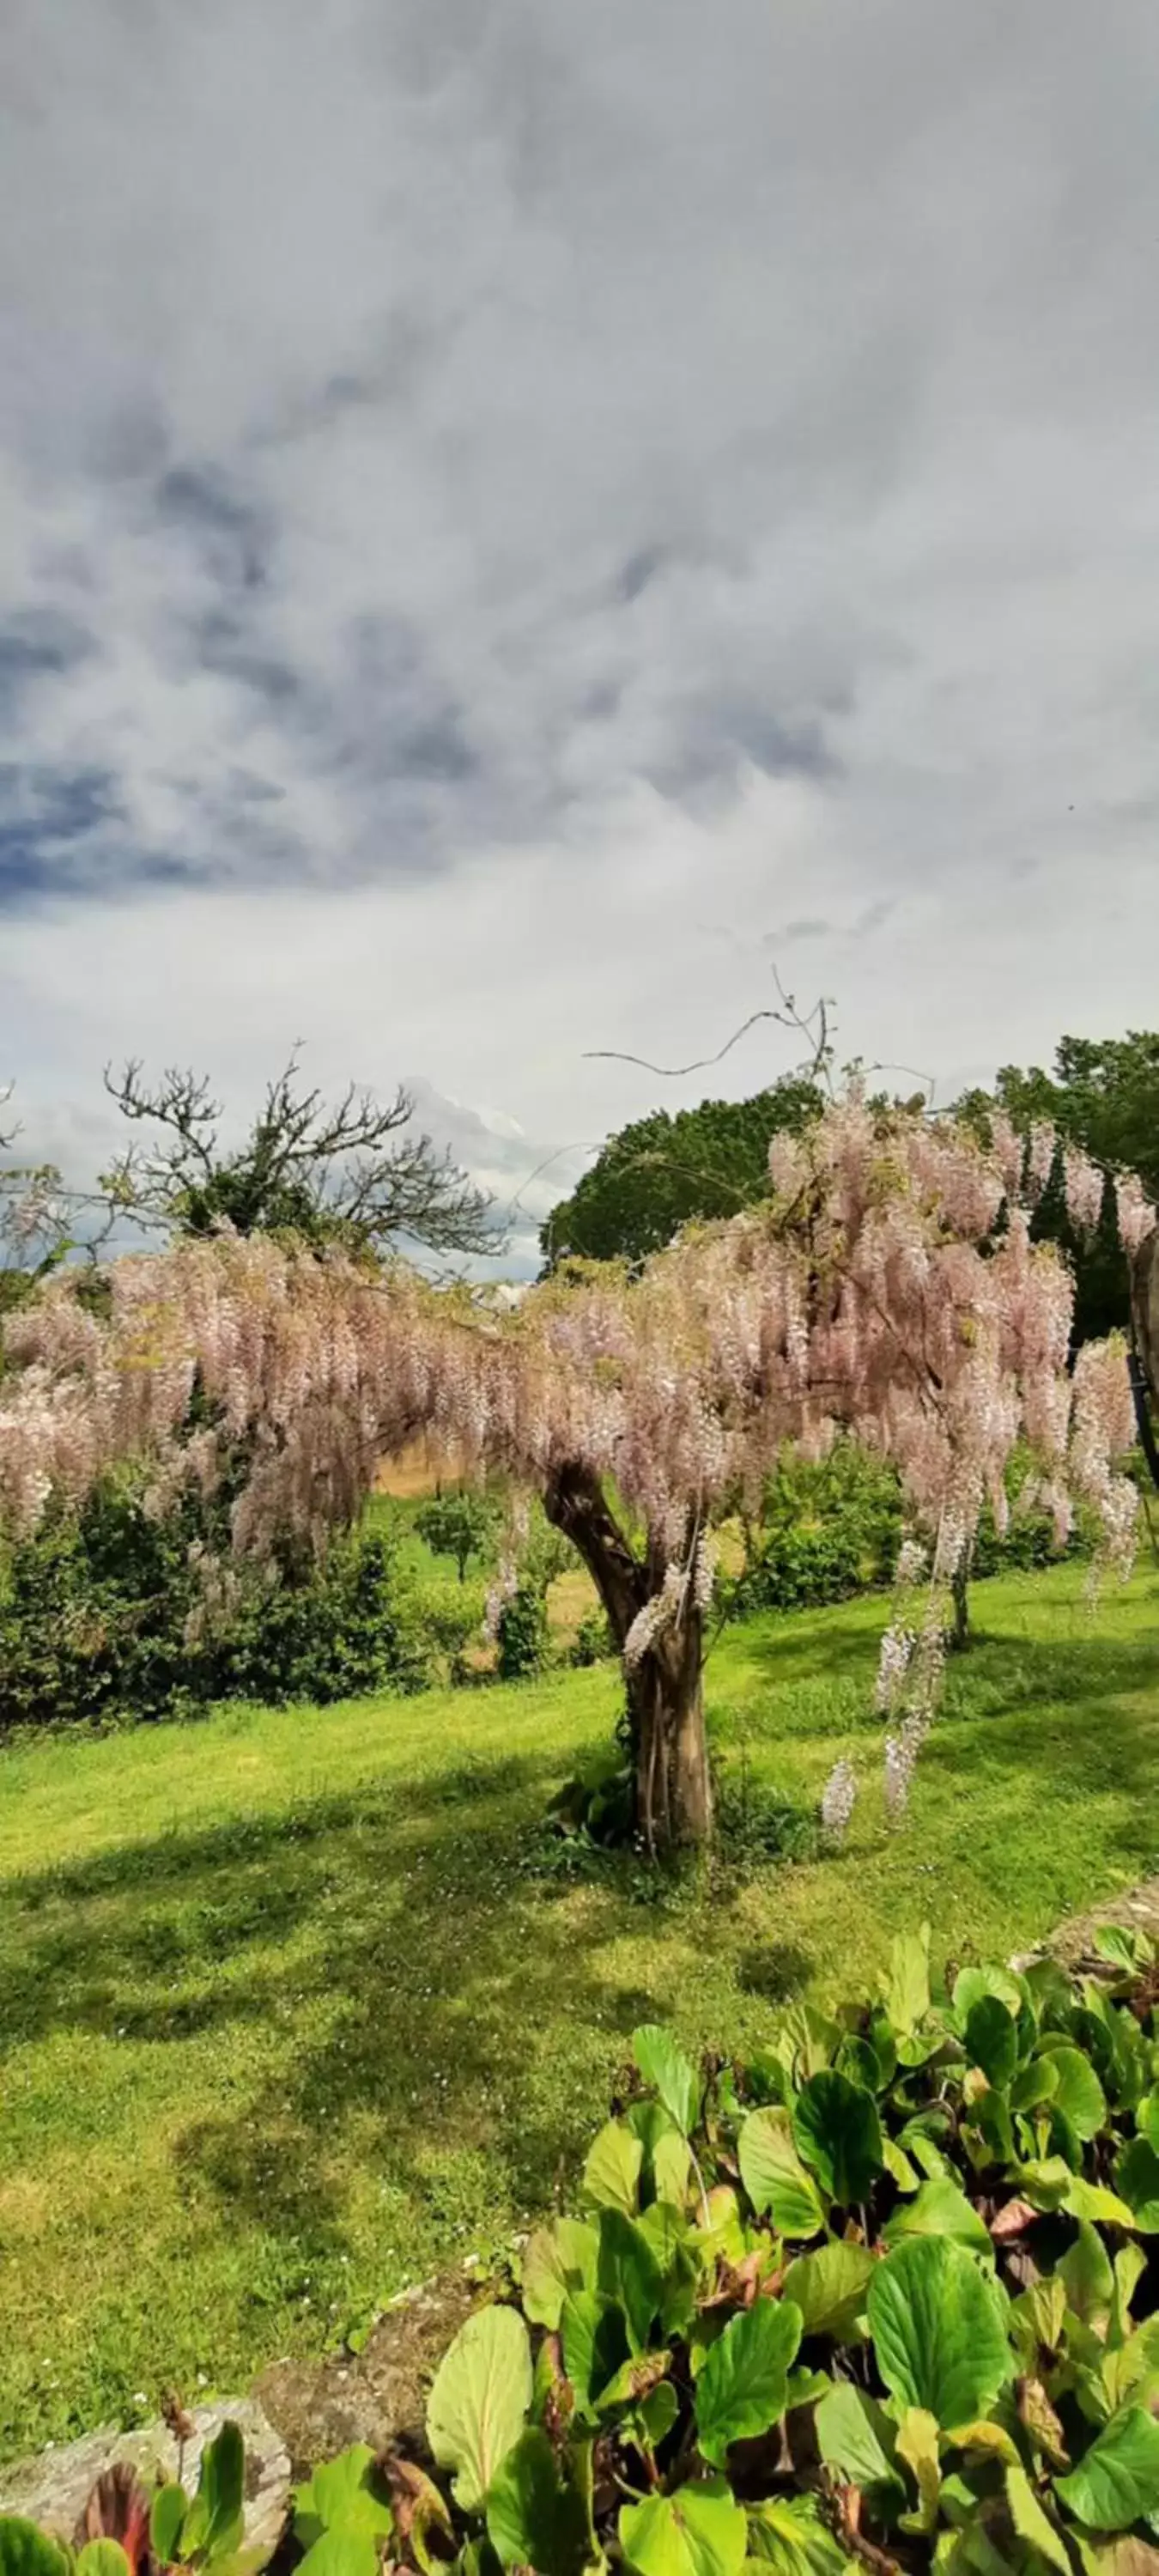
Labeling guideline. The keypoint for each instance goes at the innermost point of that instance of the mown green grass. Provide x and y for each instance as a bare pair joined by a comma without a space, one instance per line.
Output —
286,2022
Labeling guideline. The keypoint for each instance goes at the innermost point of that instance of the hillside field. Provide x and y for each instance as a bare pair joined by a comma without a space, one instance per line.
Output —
289,2019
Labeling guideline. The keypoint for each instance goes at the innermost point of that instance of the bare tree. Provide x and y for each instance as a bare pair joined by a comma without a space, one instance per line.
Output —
354,1174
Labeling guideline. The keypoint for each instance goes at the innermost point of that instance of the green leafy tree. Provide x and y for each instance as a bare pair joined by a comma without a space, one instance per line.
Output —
1102,1095
460,1524
662,1171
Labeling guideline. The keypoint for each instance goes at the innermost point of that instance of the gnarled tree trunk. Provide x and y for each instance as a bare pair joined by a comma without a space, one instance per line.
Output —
1145,1357
665,1696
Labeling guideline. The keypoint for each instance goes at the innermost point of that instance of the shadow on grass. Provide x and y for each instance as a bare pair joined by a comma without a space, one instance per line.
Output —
388,1935
404,1983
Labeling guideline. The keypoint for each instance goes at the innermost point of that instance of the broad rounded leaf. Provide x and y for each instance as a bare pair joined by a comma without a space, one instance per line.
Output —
102,2558
699,2531
992,2040
629,2273
742,2386
972,1983
534,2519
940,2208
907,1987
788,2534
665,2067
25,2551
480,2397
857,2441
1137,2182
829,2287
937,2330
1078,2095
557,2259
1092,2201
595,2345
170,2506
774,2176
341,2496
1117,2480
612,2171
214,2523
341,2553
1087,2276
837,2131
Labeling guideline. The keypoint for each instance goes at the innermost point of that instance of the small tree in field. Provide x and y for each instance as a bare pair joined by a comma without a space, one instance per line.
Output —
889,1288
459,1524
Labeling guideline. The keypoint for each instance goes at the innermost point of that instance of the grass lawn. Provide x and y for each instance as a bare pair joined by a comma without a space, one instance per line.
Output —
286,2023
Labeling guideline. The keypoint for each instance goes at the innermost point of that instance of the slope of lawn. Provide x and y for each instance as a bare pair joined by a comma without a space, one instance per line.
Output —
288,2021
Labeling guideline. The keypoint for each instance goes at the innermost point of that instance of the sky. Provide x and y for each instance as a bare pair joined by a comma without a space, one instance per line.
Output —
518,519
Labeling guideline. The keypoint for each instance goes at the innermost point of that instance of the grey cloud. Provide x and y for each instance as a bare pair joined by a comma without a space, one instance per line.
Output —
476,433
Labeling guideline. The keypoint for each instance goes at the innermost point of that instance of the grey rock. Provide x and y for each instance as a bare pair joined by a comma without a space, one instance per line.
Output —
53,2489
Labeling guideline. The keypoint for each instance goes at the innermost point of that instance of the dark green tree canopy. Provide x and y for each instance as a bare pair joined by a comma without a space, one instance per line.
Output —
660,1172
1103,1094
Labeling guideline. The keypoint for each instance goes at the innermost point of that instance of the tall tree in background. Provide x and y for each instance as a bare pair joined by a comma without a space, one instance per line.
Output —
355,1174
1103,1099
660,1172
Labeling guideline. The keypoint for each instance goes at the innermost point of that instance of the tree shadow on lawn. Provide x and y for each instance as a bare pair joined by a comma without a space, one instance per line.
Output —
1003,1666
415,1979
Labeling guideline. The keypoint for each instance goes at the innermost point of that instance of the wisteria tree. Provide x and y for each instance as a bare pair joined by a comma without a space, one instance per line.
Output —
889,1288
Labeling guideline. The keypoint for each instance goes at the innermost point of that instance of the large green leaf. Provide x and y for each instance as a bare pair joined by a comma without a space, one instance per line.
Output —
102,2558
1117,2480
595,2345
829,2287
665,2067
937,2330
992,2039
940,2208
334,2553
1031,2521
838,2133
612,2171
170,2506
774,2176
907,1987
342,2496
788,2534
1078,2096
857,2442
557,2259
480,2397
25,2551
1087,2276
972,1983
214,2524
629,2273
741,2389
534,2517
699,2531
1137,2182
917,2445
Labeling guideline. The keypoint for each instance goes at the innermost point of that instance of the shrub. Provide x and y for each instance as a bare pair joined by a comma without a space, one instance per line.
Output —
522,1634
102,1617
884,2292
827,1531
593,1641
461,1524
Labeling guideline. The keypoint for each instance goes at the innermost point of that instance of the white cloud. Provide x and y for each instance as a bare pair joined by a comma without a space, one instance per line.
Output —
510,514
